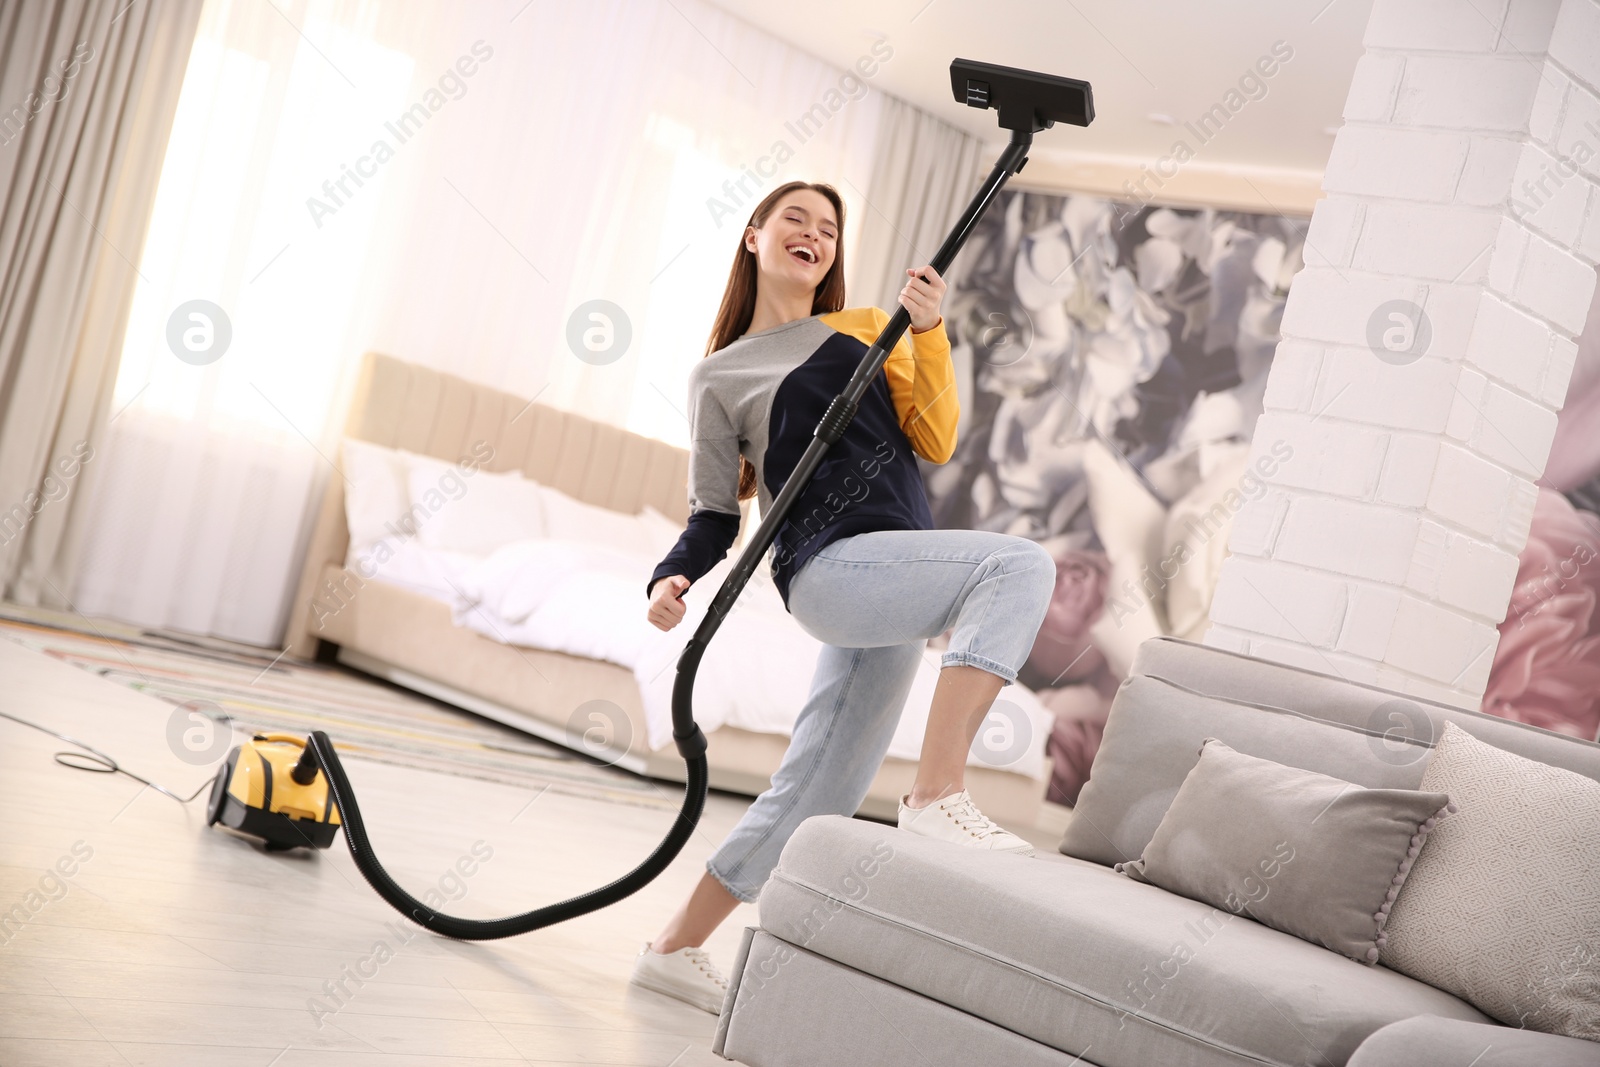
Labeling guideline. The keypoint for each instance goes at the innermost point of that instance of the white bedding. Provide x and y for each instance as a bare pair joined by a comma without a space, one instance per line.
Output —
589,600
408,563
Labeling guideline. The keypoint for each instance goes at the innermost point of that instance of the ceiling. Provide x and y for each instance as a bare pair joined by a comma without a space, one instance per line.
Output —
1143,58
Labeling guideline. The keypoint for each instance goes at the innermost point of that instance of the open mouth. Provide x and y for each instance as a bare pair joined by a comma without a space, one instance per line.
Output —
803,254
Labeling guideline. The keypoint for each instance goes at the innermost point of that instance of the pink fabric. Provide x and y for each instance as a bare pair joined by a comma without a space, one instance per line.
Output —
1062,652
1546,671
1080,712
1069,673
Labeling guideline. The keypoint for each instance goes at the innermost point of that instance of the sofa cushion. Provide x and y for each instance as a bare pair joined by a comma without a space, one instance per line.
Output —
1427,1041
1075,956
1302,852
1152,740
759,1023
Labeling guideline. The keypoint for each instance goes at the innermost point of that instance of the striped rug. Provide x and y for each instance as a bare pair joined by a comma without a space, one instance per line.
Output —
366,718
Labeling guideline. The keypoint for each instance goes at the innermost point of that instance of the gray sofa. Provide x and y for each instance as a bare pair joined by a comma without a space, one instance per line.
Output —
884,948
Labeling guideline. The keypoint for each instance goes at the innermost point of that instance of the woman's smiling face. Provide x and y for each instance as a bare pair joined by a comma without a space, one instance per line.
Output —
797,243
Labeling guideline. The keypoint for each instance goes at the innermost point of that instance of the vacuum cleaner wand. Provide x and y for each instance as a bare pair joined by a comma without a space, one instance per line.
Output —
1027,102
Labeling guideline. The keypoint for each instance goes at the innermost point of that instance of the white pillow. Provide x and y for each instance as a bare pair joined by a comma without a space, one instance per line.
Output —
1502,906
462,509
375,493
569,519
406,562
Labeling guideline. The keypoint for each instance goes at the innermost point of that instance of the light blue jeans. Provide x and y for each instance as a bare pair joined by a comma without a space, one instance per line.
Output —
873,600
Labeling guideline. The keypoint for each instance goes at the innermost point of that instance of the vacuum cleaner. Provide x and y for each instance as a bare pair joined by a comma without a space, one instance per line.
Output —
294,793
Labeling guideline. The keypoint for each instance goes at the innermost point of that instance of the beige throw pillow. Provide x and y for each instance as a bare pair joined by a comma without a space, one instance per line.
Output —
1302,852
1503,906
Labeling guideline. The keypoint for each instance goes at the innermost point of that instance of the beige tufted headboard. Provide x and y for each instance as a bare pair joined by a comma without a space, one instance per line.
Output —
403,405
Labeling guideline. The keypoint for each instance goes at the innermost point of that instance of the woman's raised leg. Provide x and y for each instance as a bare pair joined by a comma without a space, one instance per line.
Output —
911,584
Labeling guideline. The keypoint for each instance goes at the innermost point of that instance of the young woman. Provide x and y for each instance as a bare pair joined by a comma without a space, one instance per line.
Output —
857,561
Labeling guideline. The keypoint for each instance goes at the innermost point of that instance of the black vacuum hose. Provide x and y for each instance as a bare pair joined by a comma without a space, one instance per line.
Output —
355,834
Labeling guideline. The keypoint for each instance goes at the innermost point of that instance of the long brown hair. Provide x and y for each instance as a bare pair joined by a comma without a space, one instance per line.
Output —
739,299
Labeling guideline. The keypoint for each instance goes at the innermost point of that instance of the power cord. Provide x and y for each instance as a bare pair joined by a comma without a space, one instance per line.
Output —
97,762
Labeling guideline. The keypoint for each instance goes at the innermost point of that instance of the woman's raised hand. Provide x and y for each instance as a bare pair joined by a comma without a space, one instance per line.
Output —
921,298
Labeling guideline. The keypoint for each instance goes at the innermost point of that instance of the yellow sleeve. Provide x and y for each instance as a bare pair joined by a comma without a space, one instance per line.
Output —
921,378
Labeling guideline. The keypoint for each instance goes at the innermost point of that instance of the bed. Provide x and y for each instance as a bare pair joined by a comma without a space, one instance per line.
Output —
403,634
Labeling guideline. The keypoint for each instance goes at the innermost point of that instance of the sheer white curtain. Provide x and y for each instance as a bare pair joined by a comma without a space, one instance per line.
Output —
447,184
924,174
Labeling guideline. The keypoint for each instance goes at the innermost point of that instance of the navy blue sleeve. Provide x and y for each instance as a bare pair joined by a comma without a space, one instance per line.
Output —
702,545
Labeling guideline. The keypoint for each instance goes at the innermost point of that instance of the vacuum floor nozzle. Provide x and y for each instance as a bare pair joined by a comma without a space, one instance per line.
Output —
1027,100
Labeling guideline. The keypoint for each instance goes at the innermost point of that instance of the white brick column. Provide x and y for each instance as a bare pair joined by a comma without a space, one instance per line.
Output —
1426,349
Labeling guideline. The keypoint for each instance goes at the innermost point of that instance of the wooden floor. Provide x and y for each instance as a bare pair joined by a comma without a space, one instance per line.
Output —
177,944
173,943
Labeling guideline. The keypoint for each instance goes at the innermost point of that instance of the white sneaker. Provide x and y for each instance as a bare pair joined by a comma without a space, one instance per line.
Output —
956,818
687,974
